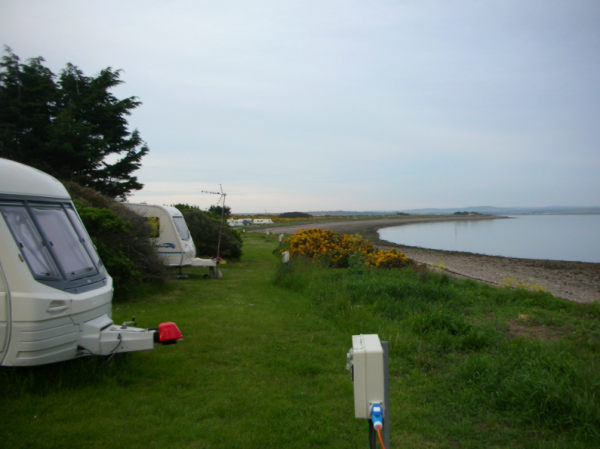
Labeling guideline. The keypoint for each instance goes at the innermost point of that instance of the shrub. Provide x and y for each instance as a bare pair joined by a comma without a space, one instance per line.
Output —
219,211
121,237
341,250
205,233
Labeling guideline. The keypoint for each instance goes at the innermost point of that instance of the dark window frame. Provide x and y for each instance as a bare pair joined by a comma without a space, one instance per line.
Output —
87,280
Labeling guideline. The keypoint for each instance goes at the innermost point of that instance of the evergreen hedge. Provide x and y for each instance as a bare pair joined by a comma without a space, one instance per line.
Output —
205,233
121,237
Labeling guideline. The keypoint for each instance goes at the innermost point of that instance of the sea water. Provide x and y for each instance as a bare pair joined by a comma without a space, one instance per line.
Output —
554,237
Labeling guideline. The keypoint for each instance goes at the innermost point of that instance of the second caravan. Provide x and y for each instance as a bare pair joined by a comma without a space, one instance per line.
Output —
171,237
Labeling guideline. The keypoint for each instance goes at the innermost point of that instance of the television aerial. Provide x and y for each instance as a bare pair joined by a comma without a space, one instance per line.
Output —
221,202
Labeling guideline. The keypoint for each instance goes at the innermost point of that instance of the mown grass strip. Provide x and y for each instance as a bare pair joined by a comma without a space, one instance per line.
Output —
257,369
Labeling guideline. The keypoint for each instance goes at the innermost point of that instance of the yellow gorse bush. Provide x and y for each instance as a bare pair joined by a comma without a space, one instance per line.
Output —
337,249
511,282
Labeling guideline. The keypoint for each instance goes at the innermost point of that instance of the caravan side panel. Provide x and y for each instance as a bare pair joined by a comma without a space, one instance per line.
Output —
35,342
4,314
169,246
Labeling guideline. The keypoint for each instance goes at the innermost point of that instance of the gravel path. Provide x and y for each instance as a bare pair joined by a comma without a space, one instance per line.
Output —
575,281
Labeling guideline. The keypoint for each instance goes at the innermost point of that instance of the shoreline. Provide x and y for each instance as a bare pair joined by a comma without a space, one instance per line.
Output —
573,281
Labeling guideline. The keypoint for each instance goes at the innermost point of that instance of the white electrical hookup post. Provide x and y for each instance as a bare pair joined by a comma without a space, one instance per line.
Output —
367,360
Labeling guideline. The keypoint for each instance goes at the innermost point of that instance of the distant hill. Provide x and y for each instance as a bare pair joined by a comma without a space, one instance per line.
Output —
492,210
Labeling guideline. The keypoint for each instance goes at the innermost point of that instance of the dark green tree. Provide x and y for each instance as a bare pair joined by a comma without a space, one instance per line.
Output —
217,210
70,126
27,105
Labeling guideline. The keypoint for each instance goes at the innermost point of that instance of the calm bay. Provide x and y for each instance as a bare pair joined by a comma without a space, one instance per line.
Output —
554,237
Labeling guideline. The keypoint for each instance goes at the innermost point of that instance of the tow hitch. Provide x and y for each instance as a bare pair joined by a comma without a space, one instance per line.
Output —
102,337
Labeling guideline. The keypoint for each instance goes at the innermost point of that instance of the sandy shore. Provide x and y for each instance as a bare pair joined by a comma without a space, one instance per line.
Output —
576,281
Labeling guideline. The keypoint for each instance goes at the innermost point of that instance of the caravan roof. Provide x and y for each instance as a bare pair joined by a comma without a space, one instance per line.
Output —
18,179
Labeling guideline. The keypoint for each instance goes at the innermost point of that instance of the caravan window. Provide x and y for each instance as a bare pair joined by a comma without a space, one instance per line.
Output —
54,243
30,242
182,228
83,235
66,244
154,223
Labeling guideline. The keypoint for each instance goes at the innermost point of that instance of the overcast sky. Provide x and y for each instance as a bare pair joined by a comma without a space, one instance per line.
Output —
353,104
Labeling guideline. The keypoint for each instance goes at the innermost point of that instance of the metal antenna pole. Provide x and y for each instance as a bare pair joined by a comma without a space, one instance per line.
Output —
222,197
221,224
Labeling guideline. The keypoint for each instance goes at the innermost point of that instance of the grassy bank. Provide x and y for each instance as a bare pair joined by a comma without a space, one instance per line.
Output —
262,366
472,366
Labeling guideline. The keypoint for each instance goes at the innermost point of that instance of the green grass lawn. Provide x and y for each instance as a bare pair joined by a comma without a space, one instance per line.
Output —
257,369
262,365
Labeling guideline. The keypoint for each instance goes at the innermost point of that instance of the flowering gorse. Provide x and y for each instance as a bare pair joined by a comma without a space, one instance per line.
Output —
514,283
338,249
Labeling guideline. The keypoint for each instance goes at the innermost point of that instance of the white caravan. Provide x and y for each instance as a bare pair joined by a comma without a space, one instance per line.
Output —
171,237
55,294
